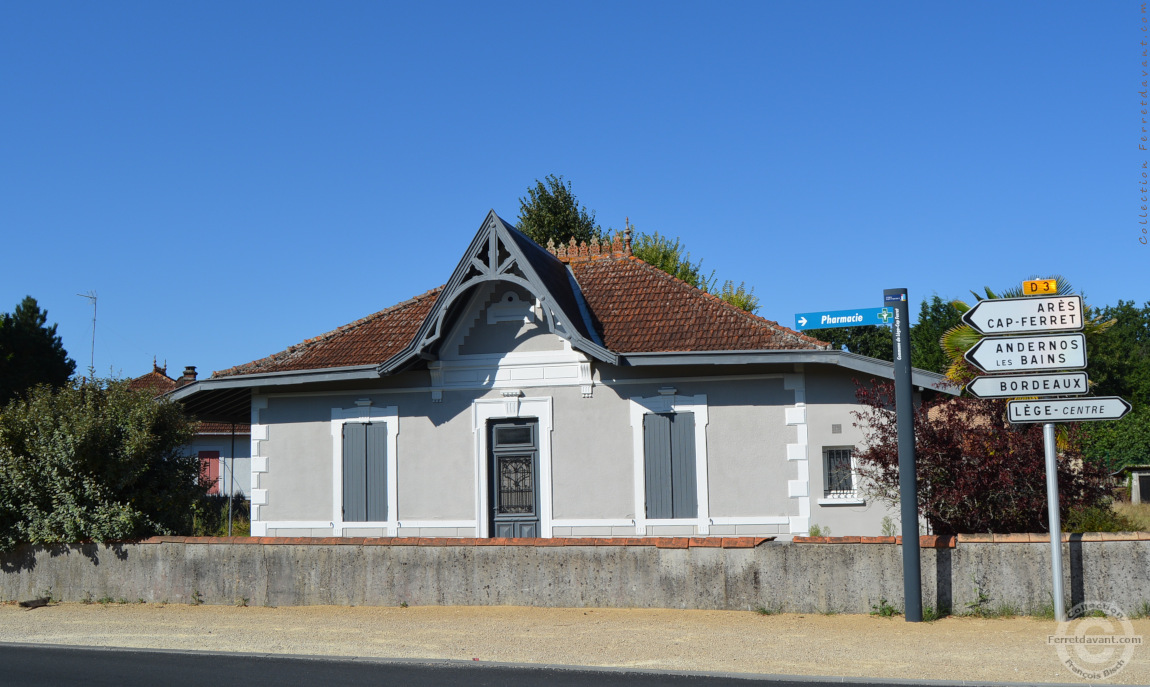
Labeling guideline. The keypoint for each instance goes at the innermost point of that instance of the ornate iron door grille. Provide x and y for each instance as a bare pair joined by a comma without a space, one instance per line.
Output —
516,484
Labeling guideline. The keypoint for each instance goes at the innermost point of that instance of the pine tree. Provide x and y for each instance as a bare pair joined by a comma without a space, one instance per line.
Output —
31,352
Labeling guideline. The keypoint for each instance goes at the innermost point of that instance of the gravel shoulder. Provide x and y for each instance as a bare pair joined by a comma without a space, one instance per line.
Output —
999,650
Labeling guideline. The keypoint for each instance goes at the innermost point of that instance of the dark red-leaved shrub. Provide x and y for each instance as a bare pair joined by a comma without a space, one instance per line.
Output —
976,471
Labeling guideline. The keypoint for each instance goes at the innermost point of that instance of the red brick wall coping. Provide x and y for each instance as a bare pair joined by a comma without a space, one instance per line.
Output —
658,542
932,541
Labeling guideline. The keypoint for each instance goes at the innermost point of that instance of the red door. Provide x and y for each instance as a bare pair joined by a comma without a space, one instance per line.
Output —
210,470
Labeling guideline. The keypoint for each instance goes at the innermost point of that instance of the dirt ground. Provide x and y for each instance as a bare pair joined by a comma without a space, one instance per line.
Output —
975,649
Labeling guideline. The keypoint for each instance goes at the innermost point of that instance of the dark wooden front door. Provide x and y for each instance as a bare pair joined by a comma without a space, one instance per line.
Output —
512,470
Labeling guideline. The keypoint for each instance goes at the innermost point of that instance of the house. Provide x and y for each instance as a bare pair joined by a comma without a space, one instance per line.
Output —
570,391
219,445
1135,482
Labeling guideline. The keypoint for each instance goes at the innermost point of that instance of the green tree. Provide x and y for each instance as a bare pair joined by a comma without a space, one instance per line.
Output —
1120,360
31,352
672,257
550,212
1120,366
1119,443
935,318
94,460
871,340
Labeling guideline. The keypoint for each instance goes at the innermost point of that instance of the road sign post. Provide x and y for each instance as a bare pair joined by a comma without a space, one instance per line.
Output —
1054,519
907,471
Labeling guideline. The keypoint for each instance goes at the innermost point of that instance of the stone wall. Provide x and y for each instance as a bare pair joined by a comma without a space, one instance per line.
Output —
845,575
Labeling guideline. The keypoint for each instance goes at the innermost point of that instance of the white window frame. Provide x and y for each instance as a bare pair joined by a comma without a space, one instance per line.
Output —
671,402
512,406
853,499
364,413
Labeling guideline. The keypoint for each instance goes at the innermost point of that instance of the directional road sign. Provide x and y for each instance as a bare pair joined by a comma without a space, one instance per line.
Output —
1029,353
1015,386
1024,315
843,318
1067,409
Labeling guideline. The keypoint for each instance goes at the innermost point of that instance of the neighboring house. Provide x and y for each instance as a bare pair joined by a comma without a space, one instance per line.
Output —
571,392
213,441
1137,479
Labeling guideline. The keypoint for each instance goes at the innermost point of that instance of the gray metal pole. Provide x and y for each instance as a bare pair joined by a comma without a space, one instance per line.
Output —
896,299
1055,520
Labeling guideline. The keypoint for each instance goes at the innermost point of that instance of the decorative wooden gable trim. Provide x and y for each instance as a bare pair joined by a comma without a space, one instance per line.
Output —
499,253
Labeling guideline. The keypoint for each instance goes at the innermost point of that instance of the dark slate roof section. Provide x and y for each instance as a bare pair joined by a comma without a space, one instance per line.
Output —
553,273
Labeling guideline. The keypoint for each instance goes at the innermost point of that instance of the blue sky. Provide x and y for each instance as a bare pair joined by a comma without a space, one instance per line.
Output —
231,178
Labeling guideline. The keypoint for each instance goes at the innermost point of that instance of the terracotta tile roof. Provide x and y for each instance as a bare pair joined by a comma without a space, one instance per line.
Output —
634,307
640,308
155,381
367,341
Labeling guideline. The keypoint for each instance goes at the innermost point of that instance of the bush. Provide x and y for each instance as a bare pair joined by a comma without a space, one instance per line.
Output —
210,516
976,471
1097,519
94,461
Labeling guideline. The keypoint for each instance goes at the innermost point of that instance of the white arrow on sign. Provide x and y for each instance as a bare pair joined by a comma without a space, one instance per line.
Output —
1029,353
1014,386
1067,409
1025,315
802,321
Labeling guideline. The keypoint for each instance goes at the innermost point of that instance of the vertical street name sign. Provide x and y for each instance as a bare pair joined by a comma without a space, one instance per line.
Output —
895,299
1025,315
1026,353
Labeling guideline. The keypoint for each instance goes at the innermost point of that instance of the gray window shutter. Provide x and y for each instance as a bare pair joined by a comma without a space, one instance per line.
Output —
376,472
657,464
683,495
354,472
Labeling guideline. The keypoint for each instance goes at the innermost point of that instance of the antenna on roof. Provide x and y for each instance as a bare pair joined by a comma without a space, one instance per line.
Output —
91,295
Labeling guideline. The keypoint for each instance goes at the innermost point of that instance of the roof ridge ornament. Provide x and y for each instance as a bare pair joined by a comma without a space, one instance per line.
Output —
627,236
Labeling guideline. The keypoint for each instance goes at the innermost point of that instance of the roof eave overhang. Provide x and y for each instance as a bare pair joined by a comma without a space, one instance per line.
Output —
851,361
330,374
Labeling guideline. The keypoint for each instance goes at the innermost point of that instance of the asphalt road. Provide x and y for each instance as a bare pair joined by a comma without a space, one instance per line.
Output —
49,666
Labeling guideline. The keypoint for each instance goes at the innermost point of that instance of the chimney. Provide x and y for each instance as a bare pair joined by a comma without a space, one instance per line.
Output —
189,375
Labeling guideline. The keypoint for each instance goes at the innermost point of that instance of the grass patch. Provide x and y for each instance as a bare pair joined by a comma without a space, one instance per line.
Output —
1138,514
763,610
884,609
931,614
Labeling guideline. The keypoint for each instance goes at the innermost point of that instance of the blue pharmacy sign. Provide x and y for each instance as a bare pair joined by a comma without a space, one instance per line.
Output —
843,318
